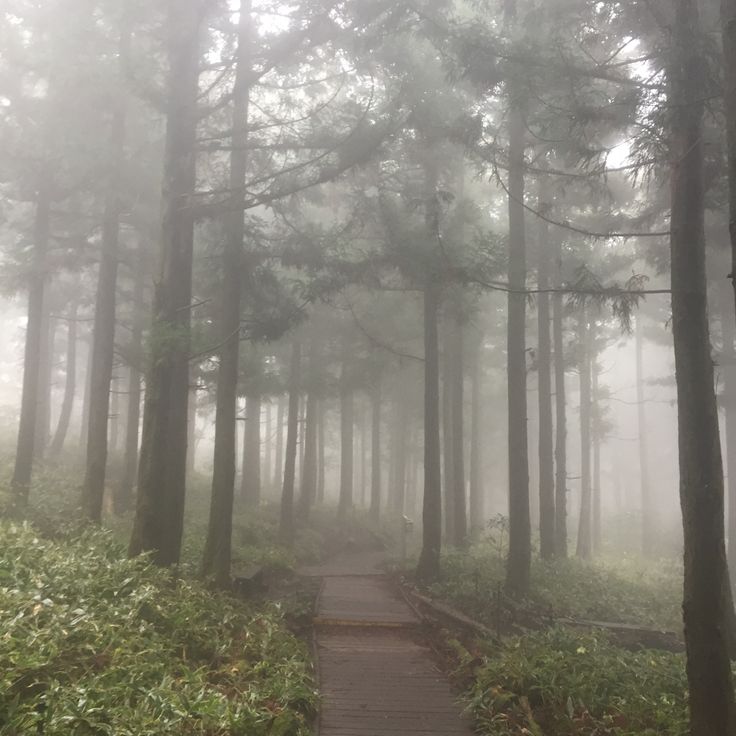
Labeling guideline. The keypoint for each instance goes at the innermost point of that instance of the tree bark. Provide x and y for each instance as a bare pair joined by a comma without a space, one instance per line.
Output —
428,568
361,469
250,482
584,545
84,427
429,564
311,431
103,331
114,416
70,382
457,408
123,497
266,480
21,481
345,503
706,605
728,364
560,412
448,473
477,492
192,437
43,411
399,448
159,517
376,451
647,526
279,459
544,365
286,528
595,430
520,550
300,441
309,478
321,452
728,23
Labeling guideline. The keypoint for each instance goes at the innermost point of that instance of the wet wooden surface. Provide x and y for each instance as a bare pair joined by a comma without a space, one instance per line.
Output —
377,677
363,599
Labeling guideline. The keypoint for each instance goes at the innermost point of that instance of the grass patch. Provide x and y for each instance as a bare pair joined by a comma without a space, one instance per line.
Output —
93,643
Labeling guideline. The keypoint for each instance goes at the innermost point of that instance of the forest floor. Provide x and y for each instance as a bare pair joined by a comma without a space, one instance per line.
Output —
95,643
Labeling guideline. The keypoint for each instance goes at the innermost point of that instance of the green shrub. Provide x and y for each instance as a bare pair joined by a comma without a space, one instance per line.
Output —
94,643
562,683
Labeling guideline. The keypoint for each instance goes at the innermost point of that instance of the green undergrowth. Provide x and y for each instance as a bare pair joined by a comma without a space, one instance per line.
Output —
624,590
93,643
55,495
563,683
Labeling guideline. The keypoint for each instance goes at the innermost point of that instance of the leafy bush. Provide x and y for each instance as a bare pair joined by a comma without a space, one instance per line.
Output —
94,643
562,683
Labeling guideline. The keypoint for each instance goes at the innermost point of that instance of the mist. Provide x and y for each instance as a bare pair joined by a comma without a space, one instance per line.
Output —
413,317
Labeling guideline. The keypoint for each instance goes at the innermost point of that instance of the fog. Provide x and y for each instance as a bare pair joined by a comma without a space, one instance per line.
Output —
445,282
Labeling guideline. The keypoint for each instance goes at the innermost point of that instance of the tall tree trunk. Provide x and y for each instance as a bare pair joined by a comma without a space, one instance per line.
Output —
301,440
23,469
70,383
728,365
707,602
84,426
448,473
415,477
321,452
376,451
361,469
457,407
647,526
399,438
429,564
728,22
311,431
123,497
544,364
560,411
477,493
159,517
278,471
286,528
114,415
595,430
192,424
520,542
103,331
345,503
584,546
428,568
309,478
250,486
43,411
266,480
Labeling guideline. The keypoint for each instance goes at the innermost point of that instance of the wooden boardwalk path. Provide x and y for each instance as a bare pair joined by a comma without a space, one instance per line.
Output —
376,676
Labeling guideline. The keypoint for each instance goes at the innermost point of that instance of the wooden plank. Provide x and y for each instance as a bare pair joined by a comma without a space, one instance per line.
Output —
376,680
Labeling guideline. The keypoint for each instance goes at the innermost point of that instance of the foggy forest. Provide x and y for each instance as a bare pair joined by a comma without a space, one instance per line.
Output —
367,367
